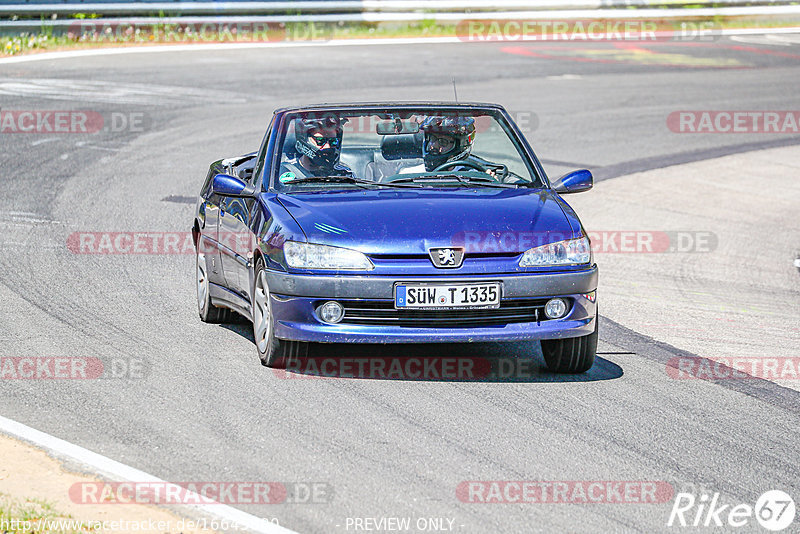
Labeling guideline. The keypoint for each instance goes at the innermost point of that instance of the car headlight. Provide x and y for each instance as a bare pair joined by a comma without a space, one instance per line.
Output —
567,252
310,256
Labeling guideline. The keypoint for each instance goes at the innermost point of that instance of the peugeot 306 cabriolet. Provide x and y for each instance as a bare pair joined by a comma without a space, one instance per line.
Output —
396,223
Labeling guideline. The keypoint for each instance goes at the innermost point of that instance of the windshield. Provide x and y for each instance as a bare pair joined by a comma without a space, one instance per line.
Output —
396,148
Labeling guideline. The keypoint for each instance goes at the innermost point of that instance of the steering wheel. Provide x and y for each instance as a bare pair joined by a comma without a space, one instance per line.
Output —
459,162
471,164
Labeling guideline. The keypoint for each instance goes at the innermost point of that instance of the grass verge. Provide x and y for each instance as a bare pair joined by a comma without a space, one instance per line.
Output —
35,516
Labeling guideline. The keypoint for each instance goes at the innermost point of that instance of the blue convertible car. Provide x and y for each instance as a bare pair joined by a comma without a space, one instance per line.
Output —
396,223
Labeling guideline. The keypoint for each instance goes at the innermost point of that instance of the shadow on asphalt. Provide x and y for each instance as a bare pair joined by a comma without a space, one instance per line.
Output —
438,362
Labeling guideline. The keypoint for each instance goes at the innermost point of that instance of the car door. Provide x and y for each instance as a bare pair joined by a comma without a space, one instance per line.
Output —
234,239
208,244
235,236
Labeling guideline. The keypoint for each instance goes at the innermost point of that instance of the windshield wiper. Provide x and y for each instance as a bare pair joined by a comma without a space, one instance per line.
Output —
461,179
343,179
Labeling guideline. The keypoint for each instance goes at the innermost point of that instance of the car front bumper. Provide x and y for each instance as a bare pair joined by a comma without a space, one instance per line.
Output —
295,298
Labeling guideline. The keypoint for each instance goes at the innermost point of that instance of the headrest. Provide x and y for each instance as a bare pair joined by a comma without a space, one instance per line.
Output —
403,146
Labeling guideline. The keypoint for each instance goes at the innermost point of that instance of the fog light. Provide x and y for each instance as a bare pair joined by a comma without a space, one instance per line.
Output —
331,312
555,308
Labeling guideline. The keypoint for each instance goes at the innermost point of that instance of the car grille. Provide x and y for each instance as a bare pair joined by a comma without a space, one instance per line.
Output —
383,313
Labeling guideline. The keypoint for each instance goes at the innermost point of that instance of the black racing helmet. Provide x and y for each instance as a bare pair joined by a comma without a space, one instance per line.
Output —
446,139
309,145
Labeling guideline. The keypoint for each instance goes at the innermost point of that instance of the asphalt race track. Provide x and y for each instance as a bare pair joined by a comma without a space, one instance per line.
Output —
206,410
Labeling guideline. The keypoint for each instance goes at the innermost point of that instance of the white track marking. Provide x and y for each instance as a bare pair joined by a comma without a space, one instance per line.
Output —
86,144
27,215
116,471
564,77
73,54
769,39
26,219
786,39
757,39
113,93
43,141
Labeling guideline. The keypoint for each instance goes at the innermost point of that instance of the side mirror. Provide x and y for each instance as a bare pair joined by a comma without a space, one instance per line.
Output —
230,186
574,182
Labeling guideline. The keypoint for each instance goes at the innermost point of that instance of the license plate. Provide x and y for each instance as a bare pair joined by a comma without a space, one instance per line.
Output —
486,295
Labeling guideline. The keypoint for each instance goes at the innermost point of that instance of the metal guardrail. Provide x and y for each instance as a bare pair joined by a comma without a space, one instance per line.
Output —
41,8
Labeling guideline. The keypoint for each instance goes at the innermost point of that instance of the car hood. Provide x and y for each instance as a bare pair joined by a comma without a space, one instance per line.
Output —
412,221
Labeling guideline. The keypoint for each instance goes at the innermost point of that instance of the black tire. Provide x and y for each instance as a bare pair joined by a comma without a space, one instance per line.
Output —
208,312
572,355
272,352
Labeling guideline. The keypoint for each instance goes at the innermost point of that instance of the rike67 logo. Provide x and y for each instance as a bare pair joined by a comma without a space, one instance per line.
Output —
774,510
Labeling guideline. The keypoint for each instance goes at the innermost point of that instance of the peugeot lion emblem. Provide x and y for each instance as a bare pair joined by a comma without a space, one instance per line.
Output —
447,258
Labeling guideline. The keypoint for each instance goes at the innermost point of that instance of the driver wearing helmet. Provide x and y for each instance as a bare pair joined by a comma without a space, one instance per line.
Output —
445,140
318,145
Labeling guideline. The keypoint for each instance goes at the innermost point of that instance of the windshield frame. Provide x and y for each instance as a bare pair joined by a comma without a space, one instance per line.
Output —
496,112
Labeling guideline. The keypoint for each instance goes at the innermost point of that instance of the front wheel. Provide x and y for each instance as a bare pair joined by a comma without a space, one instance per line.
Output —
272,351
572,355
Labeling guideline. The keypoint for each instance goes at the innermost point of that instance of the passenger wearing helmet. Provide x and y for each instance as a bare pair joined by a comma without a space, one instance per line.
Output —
318,146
